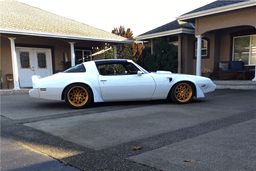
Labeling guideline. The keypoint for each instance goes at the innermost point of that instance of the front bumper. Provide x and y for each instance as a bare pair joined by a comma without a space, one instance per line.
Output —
204,86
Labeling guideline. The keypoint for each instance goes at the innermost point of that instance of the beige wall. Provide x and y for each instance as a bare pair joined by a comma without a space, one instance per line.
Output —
6,60
221,43
58,46
243,17
221,46
219,28
187,54
208,62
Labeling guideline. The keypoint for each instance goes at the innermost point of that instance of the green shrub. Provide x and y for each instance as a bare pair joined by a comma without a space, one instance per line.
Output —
166,57
150,63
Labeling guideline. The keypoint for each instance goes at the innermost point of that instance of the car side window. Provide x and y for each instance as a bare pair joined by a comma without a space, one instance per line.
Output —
112,69
132,69
117,69
77,68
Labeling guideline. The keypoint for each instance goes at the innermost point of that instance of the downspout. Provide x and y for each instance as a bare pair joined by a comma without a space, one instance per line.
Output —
179,53
152,52
115,51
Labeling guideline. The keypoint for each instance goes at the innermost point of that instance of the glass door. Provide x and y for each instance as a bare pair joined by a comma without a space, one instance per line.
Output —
241,49
253,50
245,49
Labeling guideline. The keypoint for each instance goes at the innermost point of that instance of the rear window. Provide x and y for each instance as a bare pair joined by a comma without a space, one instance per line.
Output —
77,68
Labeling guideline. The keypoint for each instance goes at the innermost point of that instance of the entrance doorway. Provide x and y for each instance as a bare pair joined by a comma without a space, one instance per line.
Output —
33,61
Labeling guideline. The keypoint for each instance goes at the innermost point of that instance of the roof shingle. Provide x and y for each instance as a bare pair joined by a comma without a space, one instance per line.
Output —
170,26
175,24
215,4
19,16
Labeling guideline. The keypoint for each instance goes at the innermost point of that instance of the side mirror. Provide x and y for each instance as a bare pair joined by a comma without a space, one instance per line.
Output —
139,73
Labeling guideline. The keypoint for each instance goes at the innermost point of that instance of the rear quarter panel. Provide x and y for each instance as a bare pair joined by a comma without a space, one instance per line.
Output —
56,84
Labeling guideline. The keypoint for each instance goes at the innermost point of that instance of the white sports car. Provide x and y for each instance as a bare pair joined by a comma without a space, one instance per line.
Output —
118,80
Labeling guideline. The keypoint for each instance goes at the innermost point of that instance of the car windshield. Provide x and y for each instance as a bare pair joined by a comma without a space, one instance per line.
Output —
145,71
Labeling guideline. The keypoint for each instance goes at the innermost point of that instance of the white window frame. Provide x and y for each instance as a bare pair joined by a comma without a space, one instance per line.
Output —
250,49
83,54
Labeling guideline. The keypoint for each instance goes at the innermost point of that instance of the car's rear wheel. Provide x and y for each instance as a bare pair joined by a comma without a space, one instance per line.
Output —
78,96
182,92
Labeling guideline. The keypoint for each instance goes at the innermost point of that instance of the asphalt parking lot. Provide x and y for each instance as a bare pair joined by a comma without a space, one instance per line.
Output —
213,133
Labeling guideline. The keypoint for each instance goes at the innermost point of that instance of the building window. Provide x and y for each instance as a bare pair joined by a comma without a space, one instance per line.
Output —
205,48
83,56
41,60
244,49
24,60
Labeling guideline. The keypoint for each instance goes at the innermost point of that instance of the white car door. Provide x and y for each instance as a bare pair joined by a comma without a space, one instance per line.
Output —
124,86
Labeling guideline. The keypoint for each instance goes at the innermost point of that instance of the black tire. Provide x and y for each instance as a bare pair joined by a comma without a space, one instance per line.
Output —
78,96
182,92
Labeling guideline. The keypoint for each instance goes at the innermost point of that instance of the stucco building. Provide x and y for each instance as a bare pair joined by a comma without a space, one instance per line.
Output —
224,30
34,41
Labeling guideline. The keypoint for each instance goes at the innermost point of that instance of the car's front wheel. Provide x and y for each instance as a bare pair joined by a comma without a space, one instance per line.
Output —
182,92
78,96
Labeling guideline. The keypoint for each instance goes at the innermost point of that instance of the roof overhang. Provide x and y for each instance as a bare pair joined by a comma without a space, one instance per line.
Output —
64,36
236,6
165,33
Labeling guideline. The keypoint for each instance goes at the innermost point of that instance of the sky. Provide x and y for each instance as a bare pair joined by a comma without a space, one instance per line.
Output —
138,15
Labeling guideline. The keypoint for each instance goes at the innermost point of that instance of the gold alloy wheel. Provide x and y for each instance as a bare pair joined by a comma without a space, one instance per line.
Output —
183,92
77,96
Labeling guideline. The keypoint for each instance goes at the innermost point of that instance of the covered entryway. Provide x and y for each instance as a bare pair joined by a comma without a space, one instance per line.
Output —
33,61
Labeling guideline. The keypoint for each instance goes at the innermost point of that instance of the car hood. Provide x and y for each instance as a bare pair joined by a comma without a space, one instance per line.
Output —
178,75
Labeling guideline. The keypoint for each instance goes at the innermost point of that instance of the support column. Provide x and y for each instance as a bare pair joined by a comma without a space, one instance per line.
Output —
254,73
14,64
115,51
179,53
73,57
198,56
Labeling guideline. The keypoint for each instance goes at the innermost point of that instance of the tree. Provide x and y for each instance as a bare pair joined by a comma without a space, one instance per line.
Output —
109,54
127,51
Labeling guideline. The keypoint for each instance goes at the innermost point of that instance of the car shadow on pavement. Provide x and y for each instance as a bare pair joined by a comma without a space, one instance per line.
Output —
53,105
63,105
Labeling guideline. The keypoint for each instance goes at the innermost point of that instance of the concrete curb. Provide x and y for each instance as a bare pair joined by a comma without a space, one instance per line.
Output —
13,92
235,85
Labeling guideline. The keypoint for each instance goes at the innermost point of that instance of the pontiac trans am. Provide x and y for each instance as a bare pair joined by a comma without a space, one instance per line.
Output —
118,80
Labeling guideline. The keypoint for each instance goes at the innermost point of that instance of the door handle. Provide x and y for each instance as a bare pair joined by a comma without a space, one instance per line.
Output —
32,68
103,80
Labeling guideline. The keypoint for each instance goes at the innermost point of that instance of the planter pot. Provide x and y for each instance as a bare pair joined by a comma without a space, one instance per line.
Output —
208,75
